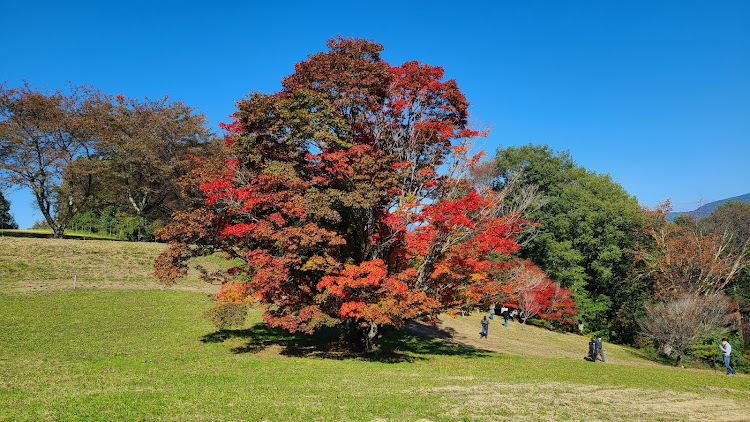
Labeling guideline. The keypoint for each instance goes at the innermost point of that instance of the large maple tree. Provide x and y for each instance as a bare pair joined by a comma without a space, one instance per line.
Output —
346,199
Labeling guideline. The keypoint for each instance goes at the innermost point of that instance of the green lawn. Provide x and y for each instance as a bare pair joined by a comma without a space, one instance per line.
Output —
119,348
148,355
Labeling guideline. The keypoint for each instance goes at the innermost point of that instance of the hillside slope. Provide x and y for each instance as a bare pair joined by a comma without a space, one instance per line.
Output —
705,210
526,340
30,265
120,348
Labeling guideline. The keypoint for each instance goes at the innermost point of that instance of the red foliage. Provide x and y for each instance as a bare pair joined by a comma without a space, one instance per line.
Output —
536,295
333,196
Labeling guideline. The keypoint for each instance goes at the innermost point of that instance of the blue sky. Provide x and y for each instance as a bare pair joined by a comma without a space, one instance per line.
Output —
656,94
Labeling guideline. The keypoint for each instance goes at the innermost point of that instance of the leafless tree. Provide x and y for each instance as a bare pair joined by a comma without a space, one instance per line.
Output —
678,323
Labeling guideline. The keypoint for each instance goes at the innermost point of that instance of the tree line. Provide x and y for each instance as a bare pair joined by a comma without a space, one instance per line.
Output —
352,197
636,278
80,149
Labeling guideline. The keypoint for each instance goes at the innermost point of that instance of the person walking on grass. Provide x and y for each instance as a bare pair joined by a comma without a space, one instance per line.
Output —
485,327
504,312
726,349
592,349
600,350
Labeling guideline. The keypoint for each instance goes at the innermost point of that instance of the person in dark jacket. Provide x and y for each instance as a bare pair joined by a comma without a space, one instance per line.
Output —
504,312
592,350
600,350
485,327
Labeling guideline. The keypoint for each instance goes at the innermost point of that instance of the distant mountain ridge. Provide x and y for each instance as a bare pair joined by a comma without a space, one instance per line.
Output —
706,209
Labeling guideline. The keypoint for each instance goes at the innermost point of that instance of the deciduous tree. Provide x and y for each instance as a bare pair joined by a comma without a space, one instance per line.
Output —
680,260
536,295
346,197
41,134
145,151
678,322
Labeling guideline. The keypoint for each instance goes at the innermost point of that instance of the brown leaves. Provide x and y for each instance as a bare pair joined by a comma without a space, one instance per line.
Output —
41,134
682,261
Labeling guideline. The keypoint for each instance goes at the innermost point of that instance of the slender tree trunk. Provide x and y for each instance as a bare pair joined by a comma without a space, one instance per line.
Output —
140,209
58,230
142,227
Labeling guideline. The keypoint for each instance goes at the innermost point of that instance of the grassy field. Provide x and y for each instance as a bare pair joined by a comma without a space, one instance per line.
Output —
126,350
48,234
36,265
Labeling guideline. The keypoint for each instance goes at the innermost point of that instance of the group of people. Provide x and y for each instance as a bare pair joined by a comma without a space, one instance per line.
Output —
596,348
505,313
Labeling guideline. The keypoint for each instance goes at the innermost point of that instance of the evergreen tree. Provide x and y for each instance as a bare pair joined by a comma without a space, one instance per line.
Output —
586,227
6,220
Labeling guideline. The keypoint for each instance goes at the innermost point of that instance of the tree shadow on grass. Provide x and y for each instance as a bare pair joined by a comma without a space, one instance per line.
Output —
405,345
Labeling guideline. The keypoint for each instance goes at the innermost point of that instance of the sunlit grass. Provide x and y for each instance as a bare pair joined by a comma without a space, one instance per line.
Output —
31,264
133,355
47,233
120,348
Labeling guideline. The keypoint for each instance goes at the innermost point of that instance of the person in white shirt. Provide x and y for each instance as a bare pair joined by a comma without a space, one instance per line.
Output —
727,350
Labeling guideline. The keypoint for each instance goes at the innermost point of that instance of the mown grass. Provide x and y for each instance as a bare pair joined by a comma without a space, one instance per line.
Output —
135,352
147,355
48,234
33,265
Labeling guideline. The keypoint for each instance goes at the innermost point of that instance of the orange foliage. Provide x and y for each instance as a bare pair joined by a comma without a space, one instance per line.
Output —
332,199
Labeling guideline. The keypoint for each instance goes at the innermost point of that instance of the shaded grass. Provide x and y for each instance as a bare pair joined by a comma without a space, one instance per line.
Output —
394,347
48,234
146,355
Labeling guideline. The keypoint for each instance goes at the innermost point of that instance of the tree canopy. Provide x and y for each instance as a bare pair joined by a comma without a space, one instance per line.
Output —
346,197
79,149
145,148
586,228
41,135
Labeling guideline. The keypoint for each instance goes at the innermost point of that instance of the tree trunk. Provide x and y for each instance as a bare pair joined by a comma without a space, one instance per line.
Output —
140,210
58,231
142,227
361,337
371,335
